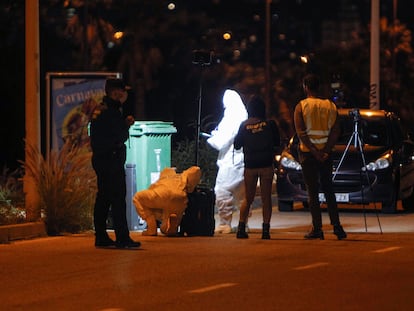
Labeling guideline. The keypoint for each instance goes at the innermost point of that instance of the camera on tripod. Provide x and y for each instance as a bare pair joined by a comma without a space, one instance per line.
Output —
203,57
354,113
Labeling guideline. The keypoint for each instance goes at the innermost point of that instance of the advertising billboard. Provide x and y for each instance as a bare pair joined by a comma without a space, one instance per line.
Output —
71,100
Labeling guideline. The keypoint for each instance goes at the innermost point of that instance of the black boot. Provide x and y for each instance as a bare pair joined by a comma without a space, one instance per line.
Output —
266,231
339,232
241,231
315,233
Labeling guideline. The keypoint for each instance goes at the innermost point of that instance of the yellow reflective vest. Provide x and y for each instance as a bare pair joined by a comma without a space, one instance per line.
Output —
319,116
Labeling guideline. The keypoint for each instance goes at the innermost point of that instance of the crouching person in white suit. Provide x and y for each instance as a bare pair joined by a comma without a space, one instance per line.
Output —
166,199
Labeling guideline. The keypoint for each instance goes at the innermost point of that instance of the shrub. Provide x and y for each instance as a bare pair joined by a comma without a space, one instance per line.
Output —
11,198
66,184
183,156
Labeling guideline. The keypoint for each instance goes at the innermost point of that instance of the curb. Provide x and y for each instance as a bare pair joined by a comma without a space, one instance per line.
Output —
24,231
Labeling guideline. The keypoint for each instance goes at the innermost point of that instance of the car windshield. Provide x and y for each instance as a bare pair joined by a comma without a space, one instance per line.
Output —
372,132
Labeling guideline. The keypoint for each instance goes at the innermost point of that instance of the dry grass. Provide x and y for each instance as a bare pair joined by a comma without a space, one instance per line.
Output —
66,184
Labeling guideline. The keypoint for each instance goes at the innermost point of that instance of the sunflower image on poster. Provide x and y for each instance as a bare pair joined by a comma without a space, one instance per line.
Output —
74,101
75,124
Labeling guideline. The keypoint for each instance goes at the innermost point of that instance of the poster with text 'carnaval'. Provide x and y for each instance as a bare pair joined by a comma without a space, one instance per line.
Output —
73,98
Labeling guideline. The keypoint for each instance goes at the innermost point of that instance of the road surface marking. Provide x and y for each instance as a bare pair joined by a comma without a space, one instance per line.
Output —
385,250
211,288
311,266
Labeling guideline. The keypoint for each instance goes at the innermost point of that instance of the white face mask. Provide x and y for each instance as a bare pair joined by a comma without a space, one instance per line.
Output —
119,95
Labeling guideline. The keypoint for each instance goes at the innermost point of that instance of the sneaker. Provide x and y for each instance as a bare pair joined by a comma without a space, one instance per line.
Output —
339,232
315,234
127,244
106,242
225,229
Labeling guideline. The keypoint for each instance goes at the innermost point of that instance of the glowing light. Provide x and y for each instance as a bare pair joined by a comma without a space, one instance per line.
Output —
227,36
236,53
118,35
252,38
304,59
171,6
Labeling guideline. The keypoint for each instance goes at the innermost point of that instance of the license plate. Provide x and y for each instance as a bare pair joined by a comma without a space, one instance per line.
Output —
340,197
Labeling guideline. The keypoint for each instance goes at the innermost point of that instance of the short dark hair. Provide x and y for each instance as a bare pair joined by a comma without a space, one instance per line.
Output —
256,107
311,81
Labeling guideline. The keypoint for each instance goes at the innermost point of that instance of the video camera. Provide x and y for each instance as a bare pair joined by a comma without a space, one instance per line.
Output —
203,58
354,113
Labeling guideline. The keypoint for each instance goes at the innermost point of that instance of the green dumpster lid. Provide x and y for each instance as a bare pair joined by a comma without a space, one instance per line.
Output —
152,127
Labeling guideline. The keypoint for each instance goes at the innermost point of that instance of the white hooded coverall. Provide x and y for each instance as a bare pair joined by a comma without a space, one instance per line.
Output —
229,187
166,199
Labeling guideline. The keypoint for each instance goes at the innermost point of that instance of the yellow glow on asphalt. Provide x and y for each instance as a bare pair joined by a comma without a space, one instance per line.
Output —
312,266
211,288
386,250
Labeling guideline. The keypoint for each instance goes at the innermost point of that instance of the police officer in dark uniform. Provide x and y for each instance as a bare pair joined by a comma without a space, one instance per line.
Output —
108,132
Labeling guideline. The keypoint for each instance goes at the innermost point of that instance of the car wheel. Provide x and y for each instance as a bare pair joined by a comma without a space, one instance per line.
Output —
285,206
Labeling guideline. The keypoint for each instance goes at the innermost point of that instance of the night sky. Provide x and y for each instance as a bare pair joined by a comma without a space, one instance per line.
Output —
286,14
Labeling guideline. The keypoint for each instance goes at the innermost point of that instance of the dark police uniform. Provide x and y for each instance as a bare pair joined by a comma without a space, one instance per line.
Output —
108,133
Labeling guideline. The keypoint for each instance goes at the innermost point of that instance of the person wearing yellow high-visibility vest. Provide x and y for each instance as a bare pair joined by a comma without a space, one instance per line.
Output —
317,127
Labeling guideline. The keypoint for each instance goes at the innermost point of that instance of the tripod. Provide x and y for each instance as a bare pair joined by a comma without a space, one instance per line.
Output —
201,58
357,143
198,124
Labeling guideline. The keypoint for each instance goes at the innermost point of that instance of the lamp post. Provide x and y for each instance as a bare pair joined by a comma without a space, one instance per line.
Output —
374,93
32,105
267,56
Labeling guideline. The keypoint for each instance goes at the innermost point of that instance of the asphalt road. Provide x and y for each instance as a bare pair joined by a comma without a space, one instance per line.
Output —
368,271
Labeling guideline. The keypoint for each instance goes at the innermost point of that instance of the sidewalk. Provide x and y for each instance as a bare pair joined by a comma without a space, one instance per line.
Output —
24,231
298,221
359,220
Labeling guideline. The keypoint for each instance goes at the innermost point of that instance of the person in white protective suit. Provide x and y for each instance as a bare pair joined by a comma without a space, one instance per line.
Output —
166,199
229,187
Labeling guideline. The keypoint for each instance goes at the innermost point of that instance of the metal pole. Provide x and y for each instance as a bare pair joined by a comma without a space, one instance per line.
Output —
32,105
267,56
198,125
374,94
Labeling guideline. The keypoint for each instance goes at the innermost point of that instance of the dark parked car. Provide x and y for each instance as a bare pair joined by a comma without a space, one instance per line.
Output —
388,174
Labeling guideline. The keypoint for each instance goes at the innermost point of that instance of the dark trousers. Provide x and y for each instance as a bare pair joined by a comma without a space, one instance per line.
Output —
110,173
319,174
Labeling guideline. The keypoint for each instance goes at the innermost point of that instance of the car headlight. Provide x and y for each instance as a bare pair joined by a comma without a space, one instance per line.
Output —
379,164
290,163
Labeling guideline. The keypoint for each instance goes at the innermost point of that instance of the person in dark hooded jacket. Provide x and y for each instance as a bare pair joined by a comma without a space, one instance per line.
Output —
259,139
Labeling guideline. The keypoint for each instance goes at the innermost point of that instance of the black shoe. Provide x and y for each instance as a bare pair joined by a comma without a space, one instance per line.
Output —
106,242
265,236
266,232
241,231
242,235
339,232
315,234
127,244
